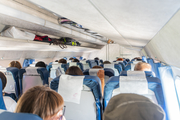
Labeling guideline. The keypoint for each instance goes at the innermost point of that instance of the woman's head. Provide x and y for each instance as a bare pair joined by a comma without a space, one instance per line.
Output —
42,101
74,70
106,62
62,61
40,64
3,79
16,64
75,60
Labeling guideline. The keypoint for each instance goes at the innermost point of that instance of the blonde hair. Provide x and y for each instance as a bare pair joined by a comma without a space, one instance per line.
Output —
16,64
142,66
40,100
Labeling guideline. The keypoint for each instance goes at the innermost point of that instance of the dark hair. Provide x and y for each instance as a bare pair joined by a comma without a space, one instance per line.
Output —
74,70
97,66
40,64
40,100
75,60
16,64
106,62
71,58
62,61
56,60
96,58
3,79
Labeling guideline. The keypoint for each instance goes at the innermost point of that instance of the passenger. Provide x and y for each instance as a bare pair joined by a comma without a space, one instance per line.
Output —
132,107
119,59
40,64
9,102
56,60
142,66
16,64
101,76
71,58
74,70
75,60
42,101
62,61
106,62
96,58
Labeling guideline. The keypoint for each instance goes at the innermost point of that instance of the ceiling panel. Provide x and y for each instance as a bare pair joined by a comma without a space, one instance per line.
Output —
120,20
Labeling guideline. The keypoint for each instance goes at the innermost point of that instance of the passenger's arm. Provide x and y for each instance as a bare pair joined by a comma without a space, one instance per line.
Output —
101,75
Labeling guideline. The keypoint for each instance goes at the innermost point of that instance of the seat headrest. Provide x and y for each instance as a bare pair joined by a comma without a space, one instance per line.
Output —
83,61
133,84
32,71
18,116
73,64
55,66
2,69
93,72
108,65
70,88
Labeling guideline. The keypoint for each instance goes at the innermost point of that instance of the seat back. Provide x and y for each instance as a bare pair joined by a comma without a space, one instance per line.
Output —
18,116
116,68
121,63
53,72
91,63
32,76
90,106
85,64
147,73
2,104
76,64
108,72
155,92
12,85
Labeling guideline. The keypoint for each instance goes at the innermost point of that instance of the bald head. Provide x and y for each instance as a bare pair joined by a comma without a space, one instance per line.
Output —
141,66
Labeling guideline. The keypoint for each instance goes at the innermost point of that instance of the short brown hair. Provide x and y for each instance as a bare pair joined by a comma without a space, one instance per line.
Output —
74,70
40,100
106,62
3,79
75,60
16,64
142,66
62,61
97,66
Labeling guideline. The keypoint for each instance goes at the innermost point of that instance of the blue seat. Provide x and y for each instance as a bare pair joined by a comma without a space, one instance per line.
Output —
121,63
125,62
91,63
154,84
116,66
94,86
2,104
27,62
32,76
80,65
148,73
85,64
63,67
18,116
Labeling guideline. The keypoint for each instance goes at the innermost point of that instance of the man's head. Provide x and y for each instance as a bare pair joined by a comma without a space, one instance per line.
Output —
142,66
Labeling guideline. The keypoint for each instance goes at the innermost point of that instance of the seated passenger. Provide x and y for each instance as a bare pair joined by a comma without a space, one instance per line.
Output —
106,62
119,59
101,76
132,107
142,66
74,70
71,58
56,60
75,60
16,64
96,58
40,64
62,61
9,102
42,101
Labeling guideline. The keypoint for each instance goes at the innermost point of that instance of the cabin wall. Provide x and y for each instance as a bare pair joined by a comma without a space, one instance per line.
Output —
112,51
47,56
166,43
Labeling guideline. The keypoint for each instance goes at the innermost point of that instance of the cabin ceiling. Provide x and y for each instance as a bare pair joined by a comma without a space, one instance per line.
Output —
131,23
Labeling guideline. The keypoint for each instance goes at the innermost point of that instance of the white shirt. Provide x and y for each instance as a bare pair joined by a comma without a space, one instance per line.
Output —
9,103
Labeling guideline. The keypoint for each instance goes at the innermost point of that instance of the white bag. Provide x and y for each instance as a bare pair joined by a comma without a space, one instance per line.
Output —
15,33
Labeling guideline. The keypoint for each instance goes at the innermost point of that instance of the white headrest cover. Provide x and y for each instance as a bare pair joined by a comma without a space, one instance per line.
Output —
73,64
54,63
32,65
3,69
83,61
133,84
108,65
32,71
93,72
136,73
70,88
55,66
